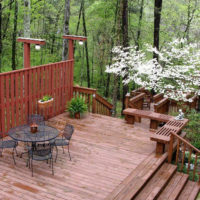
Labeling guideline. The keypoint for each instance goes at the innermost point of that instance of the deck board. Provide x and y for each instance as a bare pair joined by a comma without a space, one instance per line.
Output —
104,152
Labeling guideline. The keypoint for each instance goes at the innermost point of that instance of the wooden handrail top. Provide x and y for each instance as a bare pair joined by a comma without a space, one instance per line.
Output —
161,102
141,89
104,102
186,142
157,96
138,97
147,114
34,67
84,90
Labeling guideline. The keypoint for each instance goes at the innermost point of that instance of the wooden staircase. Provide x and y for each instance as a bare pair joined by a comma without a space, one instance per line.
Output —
156,179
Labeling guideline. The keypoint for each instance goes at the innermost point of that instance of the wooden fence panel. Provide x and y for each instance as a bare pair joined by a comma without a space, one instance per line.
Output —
21,89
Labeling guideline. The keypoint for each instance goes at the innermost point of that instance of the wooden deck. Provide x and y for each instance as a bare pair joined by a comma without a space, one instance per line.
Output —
104,152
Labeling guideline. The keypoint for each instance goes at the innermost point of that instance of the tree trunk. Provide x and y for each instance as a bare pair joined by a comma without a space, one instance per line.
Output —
190,16
14,36
66,29
111,47
157,17
118,39
86,47
55,29
7,20
125,44
78,23
139,26
27,18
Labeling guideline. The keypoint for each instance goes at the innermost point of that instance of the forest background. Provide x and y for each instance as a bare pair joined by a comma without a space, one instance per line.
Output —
106,23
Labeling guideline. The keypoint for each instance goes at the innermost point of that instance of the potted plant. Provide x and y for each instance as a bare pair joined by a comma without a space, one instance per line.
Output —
77,106
45,102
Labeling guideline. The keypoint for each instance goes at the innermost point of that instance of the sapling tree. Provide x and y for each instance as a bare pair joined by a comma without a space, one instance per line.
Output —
176,74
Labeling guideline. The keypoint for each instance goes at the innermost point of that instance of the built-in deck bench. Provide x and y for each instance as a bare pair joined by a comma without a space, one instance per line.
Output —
155,118
162,136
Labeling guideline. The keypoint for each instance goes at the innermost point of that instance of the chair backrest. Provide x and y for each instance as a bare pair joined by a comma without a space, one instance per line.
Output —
68,131
42,150
35,118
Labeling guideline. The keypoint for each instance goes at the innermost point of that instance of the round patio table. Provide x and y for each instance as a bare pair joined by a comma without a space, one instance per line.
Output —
23,134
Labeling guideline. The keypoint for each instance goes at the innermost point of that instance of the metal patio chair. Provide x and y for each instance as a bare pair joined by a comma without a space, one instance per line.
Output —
65,140
8,144
41,153
36,118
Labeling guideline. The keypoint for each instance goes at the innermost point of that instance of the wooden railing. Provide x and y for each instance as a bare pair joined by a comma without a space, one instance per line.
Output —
21,89
157,97
162,106
95,102
175,106
181,148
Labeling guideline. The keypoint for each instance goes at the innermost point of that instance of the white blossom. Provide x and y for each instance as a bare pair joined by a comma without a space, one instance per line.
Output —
176,74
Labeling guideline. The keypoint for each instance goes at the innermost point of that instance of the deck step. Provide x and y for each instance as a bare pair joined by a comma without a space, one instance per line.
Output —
190,191
174,187
135,181
157,183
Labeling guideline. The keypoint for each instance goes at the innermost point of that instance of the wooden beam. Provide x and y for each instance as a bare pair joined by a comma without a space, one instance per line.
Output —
31,40
74,37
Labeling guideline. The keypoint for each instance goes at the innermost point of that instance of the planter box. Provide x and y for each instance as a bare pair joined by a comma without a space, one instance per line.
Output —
45,104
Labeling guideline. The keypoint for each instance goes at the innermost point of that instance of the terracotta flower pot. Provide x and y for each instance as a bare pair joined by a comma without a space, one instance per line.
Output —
77,115
33,128
45,104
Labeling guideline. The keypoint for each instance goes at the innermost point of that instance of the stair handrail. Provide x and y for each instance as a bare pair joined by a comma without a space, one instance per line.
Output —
97,100
186,144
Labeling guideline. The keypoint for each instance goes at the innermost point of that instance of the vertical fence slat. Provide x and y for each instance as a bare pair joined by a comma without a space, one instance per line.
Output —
2,104
38,88
17,97
22,121
7,102
26,87
12,100
34,90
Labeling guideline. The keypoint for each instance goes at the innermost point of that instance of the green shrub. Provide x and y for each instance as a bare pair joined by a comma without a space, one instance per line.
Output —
76,105
46,98
193,127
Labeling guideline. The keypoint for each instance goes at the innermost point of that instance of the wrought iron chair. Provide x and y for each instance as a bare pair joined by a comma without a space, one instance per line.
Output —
65,140
41,153
37,119
8,144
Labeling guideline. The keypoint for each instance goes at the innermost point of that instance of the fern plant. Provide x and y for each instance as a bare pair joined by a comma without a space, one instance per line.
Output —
76,105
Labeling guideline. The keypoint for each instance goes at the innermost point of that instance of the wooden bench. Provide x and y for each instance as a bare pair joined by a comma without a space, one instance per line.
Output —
155,118
162,106
162,136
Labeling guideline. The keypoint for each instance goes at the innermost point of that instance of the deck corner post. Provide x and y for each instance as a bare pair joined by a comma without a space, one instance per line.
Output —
127,97
94,103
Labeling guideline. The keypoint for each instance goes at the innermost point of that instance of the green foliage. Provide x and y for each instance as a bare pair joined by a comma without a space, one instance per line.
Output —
193,127
46,98
184,170
76,105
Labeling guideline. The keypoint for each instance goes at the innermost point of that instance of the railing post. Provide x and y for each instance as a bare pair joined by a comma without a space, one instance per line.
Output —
170,151
127,97
94,103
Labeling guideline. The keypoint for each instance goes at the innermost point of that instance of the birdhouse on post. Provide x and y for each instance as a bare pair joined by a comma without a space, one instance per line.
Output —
27,42
71,39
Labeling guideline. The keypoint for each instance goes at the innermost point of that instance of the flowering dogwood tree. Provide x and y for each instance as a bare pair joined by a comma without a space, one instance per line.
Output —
175,75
